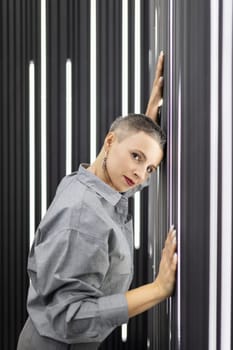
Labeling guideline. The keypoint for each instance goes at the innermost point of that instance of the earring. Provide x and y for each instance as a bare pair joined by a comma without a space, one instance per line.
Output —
104,161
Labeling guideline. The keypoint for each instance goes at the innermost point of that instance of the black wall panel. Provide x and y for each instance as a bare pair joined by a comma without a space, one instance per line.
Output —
109,58
14,178
57,28
68,37
195,183
79,53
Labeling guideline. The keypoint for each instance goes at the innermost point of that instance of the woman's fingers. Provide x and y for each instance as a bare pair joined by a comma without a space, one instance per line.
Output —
175,261
159,67
168,264
156,96
170,243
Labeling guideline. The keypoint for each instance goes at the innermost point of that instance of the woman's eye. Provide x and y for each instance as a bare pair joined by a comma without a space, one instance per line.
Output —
136,156
150,169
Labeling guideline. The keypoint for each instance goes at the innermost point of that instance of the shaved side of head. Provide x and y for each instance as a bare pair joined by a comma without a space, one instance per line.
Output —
134,123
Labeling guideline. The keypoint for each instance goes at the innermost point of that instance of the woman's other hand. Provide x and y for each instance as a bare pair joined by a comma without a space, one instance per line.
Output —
165,280
143,298
156,96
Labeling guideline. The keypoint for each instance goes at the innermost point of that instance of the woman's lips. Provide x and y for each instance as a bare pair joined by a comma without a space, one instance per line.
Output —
129,181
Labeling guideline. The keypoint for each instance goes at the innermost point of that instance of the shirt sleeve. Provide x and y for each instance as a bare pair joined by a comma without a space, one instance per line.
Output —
66,271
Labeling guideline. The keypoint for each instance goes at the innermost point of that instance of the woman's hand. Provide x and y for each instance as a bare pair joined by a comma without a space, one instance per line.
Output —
156,96
143,298
165,280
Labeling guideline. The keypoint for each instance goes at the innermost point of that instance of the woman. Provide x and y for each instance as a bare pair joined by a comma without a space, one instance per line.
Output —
80,264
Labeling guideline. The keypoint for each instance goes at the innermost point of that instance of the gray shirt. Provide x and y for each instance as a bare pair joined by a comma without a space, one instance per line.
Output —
81,261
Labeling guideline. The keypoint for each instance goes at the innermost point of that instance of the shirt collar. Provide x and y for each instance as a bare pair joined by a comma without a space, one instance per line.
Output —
99,186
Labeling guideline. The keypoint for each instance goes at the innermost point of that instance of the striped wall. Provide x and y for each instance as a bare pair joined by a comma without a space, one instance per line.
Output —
196,181
68,68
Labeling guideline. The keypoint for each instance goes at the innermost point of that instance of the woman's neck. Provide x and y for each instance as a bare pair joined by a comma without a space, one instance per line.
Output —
99,170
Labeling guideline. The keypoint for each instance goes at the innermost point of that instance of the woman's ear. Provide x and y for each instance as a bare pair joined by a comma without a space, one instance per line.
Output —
109,140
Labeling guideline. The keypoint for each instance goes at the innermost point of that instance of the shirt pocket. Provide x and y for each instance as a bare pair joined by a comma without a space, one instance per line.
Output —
121,263
119,275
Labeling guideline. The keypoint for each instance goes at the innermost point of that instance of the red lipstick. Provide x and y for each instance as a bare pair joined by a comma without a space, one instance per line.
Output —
129,181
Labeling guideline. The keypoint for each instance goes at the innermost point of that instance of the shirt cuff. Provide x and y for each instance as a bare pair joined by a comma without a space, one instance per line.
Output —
114,309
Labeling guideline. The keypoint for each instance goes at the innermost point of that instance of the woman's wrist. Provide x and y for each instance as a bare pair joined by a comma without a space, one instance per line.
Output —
160,292
143,298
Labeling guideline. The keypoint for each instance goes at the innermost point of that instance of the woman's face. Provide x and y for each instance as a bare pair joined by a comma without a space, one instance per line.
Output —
131,161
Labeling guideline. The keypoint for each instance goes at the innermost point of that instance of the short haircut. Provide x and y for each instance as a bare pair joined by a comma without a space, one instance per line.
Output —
133,123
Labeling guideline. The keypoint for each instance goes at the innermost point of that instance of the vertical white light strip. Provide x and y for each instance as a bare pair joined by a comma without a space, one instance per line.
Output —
137,108
137,58
214,112
68,116
170,112
226,228
170,137
125,97
124,332
93,82
179,220
31,151
125,68
43,111
156,30
158,170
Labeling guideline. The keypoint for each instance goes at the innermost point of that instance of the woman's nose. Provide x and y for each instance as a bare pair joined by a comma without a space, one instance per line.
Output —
140,174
